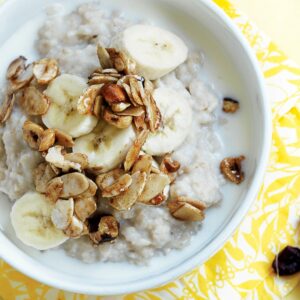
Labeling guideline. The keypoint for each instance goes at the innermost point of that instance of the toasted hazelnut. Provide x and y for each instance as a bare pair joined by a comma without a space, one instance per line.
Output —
230,105
47,139
231,168
45,70
16,67
7,107
32,134
63,139
34,102
113,93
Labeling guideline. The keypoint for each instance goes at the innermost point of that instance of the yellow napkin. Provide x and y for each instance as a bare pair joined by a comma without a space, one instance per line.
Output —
241,269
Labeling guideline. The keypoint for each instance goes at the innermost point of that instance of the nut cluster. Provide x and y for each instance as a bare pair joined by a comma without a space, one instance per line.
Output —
119,95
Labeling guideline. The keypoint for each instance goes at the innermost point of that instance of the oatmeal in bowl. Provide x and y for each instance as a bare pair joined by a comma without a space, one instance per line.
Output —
120,148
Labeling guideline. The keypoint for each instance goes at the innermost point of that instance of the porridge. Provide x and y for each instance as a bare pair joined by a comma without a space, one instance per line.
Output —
108,145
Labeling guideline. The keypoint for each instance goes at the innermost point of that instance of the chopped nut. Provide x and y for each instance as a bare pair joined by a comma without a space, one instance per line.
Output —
90,192
132,111
54,189
78,158
153,114
111,71
104,58
143,164
6,107
57,158
85,207
135,149
62,213
87,101
121,62
102,79
34,102
230,105
75,229
32,134
108,230
16,67
126,200
169,167
157,200
231,167
23,79
42,174
105,180
113,93
97,106
135,91
120,185
74,184
120,107
155,185
126,87
47,139
139,122
45,70
115,120
186,209
63,139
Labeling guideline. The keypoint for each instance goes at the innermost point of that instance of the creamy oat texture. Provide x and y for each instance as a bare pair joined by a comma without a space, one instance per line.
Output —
144,231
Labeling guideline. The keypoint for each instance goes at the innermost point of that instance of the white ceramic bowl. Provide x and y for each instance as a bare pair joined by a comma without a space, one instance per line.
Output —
232,67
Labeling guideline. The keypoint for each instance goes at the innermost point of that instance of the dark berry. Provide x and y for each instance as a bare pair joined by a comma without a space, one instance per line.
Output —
287,262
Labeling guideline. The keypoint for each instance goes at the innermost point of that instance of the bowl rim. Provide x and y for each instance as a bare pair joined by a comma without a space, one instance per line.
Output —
212,248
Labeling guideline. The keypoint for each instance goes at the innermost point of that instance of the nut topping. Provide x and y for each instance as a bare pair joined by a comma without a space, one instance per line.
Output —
143,164
119,186
74,184
62,213
42,174
113,93
120,107
63,139
77,158
154,186
115,120
32,134
107,231
6,108
75,229
104,58
126,200
47,139
34,102
45,70
230,105
134,150
87,101
231,167
90,192
54,189
23,79
16,67
186,209
85,207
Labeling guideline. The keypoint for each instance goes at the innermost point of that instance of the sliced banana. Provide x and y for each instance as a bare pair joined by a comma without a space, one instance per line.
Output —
106,147
64,92
155,50
177,119
31,220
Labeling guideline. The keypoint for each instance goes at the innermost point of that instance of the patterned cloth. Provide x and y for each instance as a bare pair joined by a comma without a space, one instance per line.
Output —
241,269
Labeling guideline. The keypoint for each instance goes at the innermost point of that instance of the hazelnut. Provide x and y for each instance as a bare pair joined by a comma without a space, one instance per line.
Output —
113,93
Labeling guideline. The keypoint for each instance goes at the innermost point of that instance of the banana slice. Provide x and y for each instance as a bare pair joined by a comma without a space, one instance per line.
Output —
106,147
64,92
31,220
177,119
155,50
